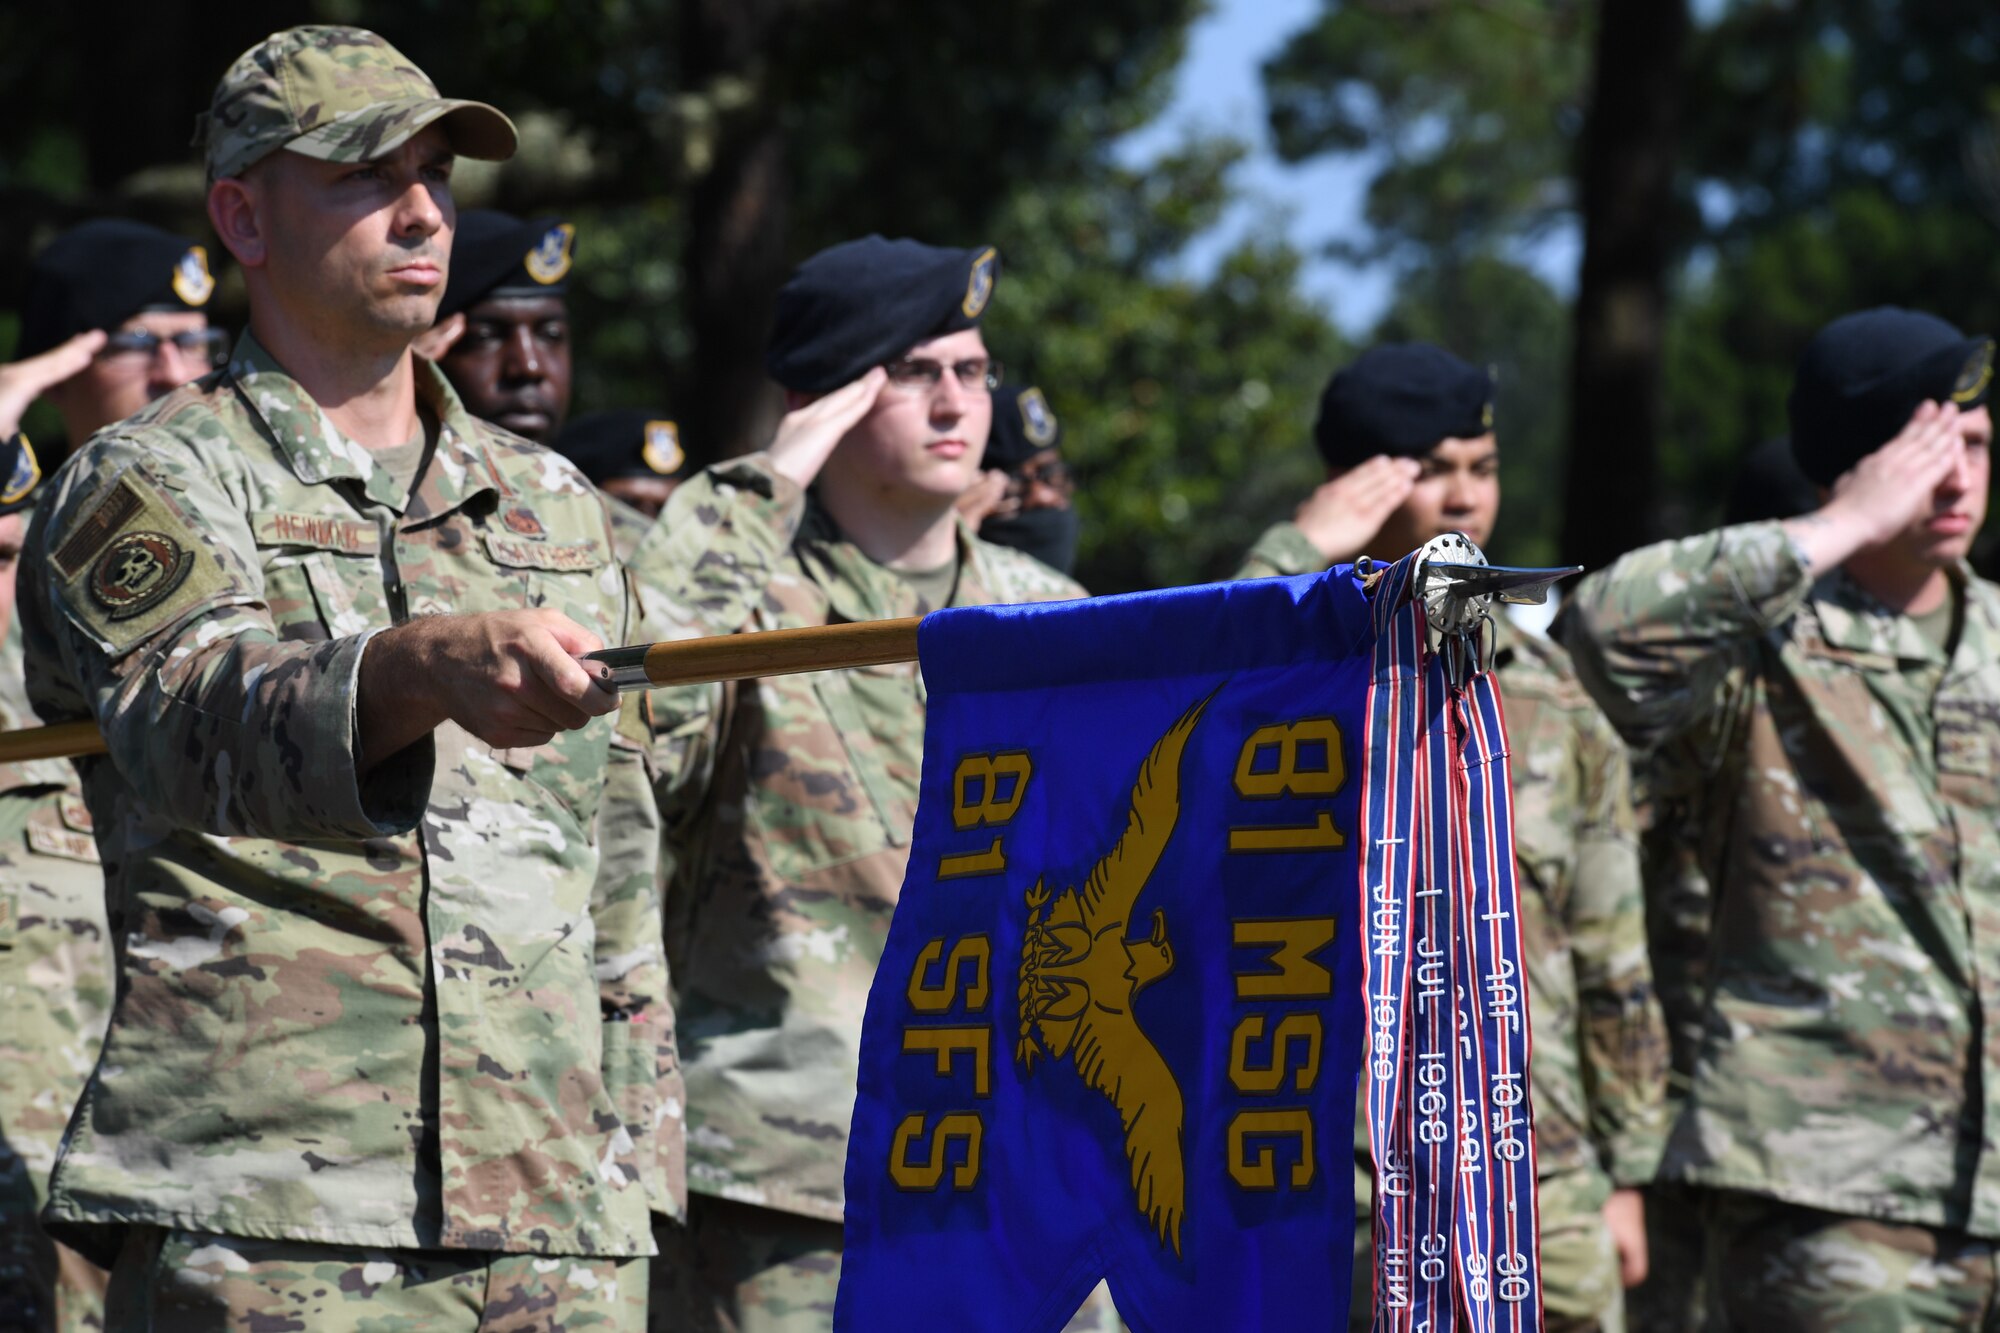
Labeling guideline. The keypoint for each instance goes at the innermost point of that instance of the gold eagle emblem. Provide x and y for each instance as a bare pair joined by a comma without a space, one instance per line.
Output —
1079,973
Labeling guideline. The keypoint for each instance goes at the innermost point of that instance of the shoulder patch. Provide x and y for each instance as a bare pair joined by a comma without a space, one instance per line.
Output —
193,283
979,283
133,564
82,546
548,263
137,571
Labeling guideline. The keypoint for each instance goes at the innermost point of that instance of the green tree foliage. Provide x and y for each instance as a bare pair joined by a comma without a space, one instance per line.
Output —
1835,154
702,148
1186,403
1470,107
1498,314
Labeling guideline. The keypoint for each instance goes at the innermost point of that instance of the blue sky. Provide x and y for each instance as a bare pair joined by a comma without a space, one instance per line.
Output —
1219,88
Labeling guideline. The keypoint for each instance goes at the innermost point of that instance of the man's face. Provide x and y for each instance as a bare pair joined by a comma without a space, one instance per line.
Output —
358,250
118,383
1043,482
511,365
1958,503
1457,491
922,442
13,528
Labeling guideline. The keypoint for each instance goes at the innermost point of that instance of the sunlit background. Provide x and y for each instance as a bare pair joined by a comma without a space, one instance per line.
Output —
1636,212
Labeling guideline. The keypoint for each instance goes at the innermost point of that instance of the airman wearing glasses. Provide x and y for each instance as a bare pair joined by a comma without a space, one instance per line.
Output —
788,802
114,319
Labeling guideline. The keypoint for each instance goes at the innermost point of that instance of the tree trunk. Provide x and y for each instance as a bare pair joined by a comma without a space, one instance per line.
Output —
736,253
1626,176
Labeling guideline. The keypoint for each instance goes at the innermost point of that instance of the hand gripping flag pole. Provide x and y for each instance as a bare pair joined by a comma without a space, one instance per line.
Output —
781,652
834,647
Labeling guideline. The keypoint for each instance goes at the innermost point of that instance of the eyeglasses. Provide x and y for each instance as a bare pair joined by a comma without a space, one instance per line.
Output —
921,374
210,345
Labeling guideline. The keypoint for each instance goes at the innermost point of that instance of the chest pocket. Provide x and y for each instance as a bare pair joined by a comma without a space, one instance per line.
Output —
572,576
322,574
1852,734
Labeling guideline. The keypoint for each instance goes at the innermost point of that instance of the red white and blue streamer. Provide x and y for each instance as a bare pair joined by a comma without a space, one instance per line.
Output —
1447,1055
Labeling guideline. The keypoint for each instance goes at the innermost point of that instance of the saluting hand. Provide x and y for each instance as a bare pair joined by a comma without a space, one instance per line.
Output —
1885,492
807,435
1342,516
22,382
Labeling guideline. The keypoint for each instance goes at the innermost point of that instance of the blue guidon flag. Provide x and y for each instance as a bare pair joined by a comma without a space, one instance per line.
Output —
1149,926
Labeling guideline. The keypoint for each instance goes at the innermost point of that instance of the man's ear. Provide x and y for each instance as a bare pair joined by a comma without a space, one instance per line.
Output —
234,213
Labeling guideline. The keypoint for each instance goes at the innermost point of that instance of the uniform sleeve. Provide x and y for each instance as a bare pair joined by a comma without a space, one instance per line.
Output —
705,564
1623,1036
150,617
642,1072
1661,636
1282,550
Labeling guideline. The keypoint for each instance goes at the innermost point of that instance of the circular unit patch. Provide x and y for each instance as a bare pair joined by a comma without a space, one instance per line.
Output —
137,571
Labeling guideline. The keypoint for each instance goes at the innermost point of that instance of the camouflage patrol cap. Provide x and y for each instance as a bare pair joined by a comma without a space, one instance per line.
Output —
339,95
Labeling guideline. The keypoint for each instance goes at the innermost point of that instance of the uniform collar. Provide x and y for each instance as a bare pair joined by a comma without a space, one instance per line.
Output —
317,452
858,589
1853,620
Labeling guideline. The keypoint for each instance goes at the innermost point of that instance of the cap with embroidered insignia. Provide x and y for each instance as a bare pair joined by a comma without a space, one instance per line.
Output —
863,303
623,442
100,273
1401,399
495,256
1861,377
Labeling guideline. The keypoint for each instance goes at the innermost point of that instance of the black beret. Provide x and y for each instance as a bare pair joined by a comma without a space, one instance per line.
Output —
101,273
1862,376
21,471
1023,426
624,442
1769,485
1401,399
862,303
495,254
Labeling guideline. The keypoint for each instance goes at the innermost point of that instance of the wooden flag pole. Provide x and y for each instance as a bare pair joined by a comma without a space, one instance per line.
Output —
778,652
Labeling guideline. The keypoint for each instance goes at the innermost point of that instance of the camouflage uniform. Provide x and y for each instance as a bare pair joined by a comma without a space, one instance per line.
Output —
55,991
1668,795
629,527
407,1008
1598,1075
789,805
1848,1074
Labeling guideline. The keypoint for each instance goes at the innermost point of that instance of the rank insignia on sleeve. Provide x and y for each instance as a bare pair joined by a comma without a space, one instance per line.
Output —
1038,422
1975,375
137,571
193,282
662,448
549,261
979,286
